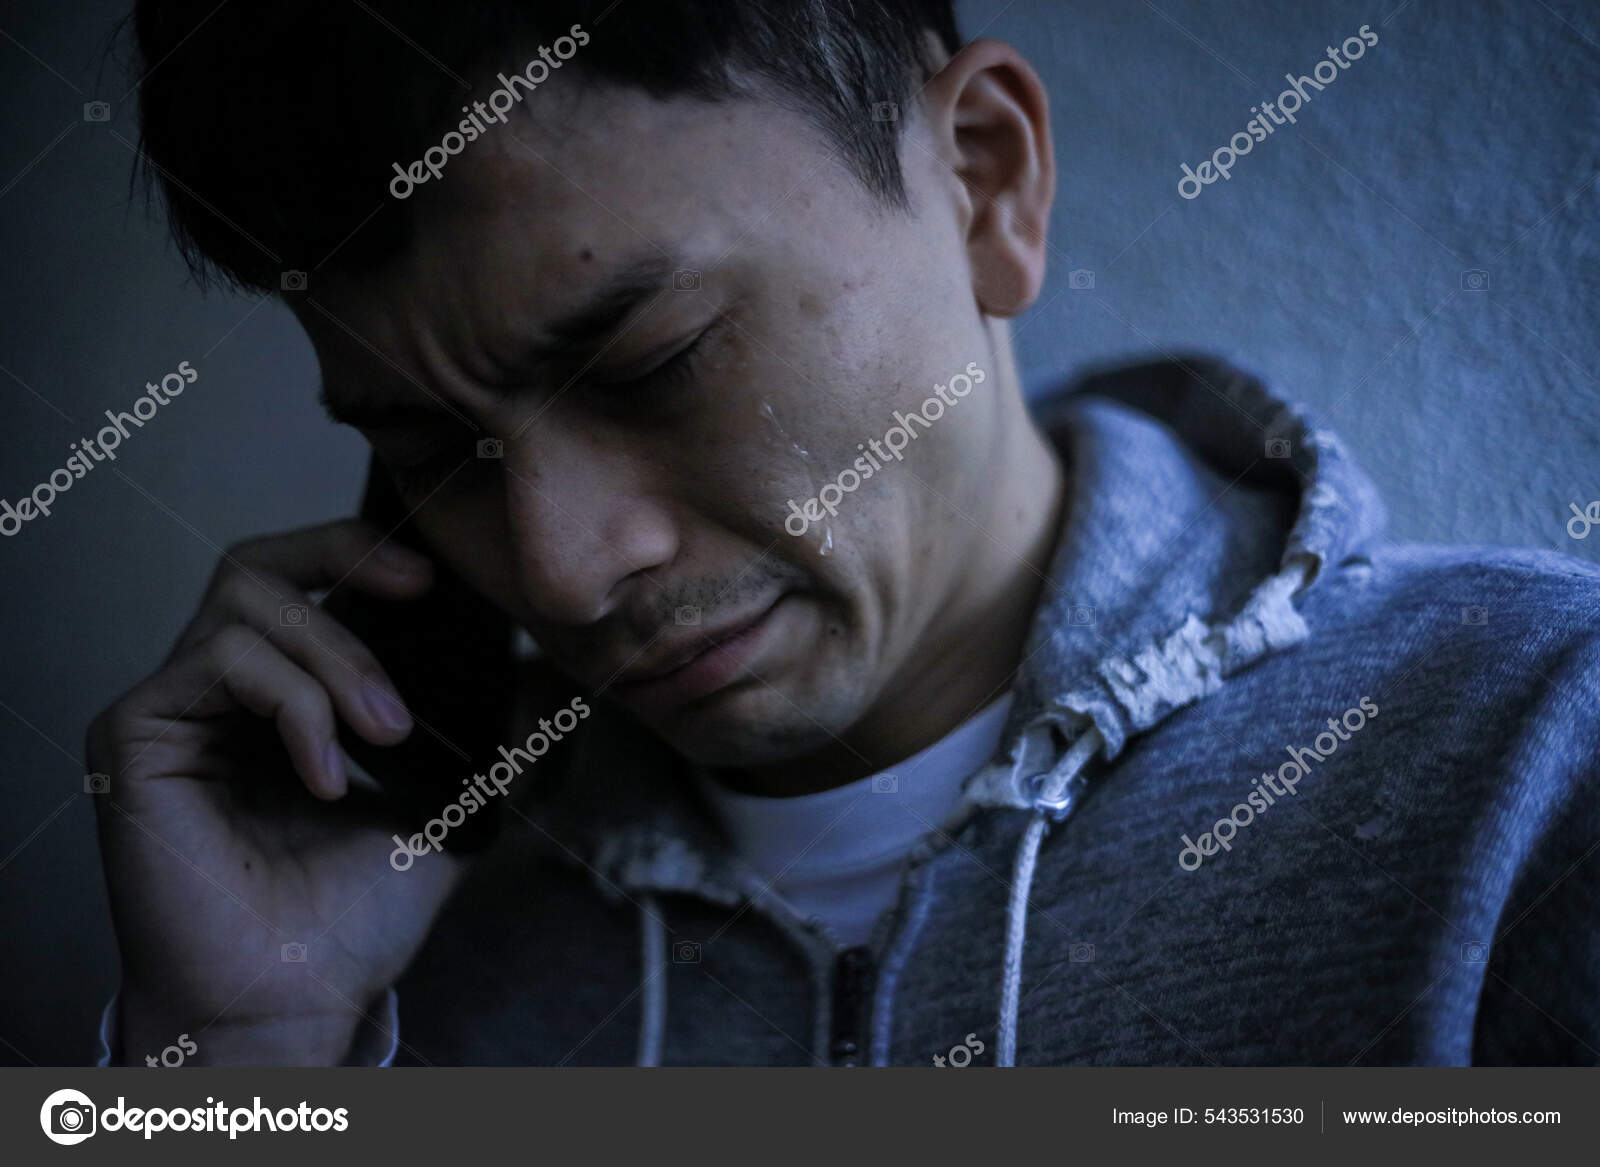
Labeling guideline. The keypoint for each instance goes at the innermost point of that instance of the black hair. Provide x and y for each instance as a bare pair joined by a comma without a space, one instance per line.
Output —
272,126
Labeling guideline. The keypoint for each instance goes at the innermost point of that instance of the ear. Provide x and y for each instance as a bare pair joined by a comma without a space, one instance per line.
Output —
989,117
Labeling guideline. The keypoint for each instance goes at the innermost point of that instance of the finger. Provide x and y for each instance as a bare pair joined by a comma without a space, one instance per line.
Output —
319,644
240,669
347,551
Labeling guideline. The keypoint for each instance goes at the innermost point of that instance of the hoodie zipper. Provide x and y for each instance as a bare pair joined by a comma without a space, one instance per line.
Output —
853,976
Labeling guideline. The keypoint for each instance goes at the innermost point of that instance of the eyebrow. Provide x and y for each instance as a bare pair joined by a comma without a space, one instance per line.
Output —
566,341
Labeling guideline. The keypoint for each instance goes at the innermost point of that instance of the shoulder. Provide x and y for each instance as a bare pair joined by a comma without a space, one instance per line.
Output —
1486,664
1471,604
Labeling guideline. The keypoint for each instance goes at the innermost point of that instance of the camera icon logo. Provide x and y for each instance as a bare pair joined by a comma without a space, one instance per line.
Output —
1474,952
686,280
885,784
293,953
97,111
1475,280
292,281
67,1117
1081,954
687,614
885,111
1475,614
1278,448
294,615
97,783
685,952
491,448
1081,616
1080,279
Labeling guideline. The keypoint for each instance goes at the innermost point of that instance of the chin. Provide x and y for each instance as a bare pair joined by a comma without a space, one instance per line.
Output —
751,725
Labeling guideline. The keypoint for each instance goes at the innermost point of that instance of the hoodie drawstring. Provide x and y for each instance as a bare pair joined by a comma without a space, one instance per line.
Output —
1055,798
653,962
1054,801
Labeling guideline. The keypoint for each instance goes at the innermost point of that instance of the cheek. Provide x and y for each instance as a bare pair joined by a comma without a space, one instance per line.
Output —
791,392
776,464
734,467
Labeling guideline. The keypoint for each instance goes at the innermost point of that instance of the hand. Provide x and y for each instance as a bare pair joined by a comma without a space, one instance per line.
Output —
252,909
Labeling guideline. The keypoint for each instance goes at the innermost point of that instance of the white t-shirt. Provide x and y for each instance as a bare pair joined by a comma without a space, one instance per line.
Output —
835,856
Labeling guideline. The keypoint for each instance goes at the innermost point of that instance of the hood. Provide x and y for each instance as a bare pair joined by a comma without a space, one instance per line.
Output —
1200,505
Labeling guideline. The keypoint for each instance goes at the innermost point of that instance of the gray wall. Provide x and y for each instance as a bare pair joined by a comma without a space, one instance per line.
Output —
1331,263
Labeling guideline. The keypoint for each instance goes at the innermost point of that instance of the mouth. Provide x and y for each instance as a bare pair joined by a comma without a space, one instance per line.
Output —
698,667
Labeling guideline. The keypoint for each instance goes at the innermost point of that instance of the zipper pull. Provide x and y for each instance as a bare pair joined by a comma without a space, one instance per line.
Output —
853,976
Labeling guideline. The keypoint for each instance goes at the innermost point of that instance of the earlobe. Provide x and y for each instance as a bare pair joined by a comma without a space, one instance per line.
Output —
991,118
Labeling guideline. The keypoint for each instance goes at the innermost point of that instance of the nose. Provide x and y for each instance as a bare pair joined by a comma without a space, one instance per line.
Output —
584,517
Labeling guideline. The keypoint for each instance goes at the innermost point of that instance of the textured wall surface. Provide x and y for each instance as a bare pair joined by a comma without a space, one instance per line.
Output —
1331,263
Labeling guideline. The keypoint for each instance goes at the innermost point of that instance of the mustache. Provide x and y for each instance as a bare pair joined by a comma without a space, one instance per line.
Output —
678,606
710,601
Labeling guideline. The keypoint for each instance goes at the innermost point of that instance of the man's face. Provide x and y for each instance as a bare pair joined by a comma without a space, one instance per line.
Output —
635,513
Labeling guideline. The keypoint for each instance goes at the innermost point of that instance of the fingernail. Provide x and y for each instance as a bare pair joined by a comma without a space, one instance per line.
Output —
333,765
385,705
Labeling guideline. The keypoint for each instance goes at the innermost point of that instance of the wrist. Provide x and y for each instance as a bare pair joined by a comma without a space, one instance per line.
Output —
149,1024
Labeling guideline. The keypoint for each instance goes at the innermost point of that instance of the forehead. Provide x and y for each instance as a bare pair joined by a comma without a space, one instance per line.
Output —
569,197
578,187
604,172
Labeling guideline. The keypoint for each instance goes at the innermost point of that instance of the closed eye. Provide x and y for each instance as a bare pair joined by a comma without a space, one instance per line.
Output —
671,373
422,475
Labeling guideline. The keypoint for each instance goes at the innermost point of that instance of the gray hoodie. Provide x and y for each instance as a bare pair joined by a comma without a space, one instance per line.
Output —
1273,790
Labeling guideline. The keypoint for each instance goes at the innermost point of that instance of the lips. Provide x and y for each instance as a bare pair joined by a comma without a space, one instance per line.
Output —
696,667
672,659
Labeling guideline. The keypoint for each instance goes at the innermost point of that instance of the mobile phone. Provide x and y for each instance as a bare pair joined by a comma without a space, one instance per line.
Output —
450,655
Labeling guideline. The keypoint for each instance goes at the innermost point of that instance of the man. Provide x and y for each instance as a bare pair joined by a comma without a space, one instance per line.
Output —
902,727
